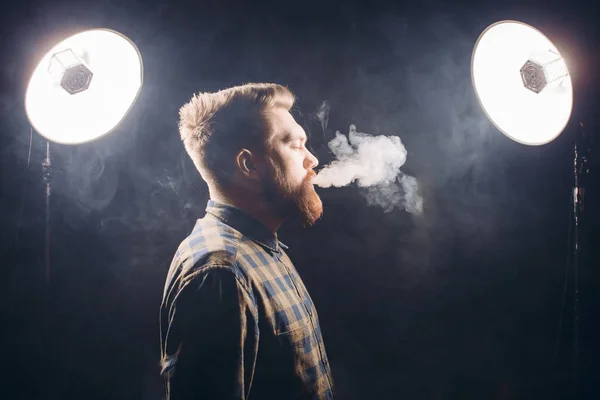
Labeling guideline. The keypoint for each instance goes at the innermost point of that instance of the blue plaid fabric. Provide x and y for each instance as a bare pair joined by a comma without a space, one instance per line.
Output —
236,320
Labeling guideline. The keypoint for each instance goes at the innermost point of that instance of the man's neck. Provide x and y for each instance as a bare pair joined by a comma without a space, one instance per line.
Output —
249,205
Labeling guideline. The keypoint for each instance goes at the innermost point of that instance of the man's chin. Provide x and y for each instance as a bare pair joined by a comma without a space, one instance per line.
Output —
310,210
302,205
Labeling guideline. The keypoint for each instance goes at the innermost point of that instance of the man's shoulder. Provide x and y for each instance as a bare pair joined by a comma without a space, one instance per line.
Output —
209,247
210,243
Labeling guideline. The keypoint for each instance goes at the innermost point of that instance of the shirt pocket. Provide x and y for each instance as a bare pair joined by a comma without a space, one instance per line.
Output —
297,335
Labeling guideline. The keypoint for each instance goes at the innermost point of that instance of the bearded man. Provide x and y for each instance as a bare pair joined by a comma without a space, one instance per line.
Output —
236,319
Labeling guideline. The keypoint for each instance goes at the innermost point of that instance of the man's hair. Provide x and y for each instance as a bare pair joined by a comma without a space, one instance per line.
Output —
215,126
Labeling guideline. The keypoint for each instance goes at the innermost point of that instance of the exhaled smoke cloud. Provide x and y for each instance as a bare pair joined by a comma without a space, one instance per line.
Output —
373,162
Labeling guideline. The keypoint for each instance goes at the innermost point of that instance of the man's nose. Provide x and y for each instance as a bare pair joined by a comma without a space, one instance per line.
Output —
310,162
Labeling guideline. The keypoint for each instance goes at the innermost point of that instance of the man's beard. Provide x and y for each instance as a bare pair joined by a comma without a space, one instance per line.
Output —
302,203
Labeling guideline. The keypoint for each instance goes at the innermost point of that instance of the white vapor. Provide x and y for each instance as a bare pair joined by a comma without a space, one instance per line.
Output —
373,162
323,115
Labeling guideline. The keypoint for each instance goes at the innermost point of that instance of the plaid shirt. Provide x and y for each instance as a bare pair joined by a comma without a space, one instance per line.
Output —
236,320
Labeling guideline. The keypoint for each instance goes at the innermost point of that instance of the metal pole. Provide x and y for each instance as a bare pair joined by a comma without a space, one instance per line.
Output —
579,167
47,171
576,210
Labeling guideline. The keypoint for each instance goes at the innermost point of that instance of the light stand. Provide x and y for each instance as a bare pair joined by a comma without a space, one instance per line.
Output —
80,90
577,207
580,168
524,87
47,173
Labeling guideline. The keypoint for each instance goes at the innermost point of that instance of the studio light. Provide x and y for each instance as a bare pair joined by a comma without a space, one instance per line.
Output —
84,86
523,85
522,82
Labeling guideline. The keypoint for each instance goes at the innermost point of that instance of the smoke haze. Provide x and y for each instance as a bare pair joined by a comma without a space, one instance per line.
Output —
374,163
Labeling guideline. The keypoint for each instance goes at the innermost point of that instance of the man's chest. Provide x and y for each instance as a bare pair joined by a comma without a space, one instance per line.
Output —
283,299
287,316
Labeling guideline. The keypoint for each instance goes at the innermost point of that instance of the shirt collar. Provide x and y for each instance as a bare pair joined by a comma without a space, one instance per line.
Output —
242,222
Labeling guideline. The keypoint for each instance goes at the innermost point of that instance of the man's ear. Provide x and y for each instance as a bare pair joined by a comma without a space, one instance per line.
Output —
246,164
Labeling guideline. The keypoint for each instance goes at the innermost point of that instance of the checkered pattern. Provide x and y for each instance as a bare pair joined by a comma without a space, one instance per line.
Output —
270,292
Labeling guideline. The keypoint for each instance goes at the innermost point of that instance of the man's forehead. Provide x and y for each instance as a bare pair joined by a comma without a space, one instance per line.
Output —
285,126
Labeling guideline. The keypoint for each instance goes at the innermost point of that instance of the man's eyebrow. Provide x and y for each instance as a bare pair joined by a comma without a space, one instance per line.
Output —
287,136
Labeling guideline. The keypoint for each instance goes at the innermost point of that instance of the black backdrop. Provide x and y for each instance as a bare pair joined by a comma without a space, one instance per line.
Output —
462,302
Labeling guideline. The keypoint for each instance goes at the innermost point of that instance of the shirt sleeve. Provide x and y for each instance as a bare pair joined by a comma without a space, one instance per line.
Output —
211,339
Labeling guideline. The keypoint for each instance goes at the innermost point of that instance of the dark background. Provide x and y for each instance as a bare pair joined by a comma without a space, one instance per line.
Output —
463,302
